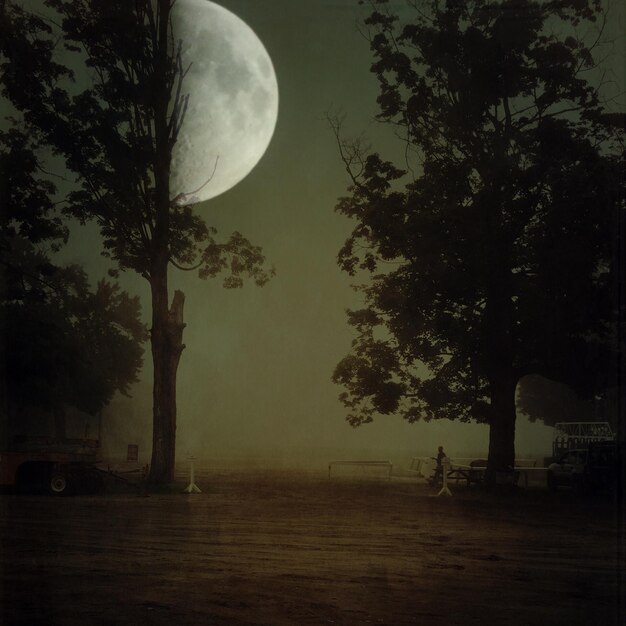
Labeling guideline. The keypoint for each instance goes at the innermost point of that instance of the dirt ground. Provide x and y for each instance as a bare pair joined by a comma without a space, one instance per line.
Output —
287,548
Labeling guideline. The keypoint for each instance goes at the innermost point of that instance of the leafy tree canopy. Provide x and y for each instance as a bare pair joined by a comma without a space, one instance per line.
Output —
491,253
62,342
65,343
87,82
27,208
101,82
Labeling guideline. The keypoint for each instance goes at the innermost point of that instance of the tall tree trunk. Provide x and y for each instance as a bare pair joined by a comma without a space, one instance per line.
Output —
502,375
167,324
501,426
4,402
167,346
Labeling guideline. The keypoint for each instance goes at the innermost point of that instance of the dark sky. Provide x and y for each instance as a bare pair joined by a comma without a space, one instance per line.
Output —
254,380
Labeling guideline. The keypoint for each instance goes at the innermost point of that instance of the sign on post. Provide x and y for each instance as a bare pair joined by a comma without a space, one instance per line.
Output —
133,452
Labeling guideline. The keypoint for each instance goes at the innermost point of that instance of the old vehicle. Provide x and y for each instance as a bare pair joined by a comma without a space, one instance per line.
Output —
597,468
42,464
568,469
46,452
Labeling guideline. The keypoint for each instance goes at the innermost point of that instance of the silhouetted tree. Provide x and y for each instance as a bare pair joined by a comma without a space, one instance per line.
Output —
64,343
27,207
117,136
26,211
550,402
498,258
61,343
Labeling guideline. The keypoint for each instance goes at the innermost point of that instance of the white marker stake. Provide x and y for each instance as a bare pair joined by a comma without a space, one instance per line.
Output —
192,487
446,466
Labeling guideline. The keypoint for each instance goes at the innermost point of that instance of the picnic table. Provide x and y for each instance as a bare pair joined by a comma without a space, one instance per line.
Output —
472,471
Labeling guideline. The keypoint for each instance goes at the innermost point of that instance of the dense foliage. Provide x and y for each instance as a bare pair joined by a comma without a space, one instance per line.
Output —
102,83
492,251
62,343
66,344
90,80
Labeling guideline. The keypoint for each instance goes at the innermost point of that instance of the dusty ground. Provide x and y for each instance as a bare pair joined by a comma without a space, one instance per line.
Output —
293,549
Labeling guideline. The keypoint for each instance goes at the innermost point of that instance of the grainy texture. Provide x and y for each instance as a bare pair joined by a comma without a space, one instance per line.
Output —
279,548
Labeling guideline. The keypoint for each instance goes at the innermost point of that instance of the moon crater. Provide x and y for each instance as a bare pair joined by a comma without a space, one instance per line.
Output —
233,101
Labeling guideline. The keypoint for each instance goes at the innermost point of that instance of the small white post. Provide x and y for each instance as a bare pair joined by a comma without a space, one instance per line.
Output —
445,463
192,487
418,469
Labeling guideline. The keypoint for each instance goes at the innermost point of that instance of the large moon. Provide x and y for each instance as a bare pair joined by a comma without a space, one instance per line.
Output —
233,101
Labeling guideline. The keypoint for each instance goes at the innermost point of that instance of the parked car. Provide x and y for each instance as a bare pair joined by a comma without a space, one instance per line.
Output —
599,468
568,470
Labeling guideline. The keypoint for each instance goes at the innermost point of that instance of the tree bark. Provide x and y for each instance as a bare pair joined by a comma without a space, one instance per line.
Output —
501,457
167,346
499,350
4,403
167,324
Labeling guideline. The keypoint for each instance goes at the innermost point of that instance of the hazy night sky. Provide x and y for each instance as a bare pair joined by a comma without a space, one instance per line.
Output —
254,379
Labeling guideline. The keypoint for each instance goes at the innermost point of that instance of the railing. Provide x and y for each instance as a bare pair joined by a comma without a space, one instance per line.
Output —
386,464
573,435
